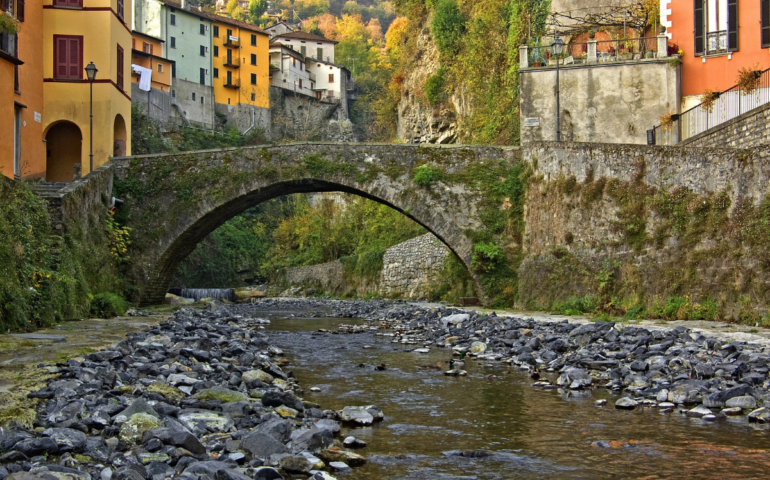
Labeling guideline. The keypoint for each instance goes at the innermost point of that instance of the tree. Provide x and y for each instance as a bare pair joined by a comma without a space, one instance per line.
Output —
231,6
447,27
374,31
257,8
327,24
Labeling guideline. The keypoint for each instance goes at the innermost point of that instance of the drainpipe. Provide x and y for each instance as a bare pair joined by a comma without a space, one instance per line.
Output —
253,119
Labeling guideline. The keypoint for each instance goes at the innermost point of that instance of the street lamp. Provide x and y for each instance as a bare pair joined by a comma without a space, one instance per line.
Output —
91,75
558,47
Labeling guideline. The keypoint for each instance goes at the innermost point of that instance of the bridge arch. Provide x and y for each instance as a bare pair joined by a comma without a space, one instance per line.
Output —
174,201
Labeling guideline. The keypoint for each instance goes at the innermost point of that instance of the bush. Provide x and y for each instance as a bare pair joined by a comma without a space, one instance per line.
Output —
427,174
486,256
434,87
576,305
447,27
108,305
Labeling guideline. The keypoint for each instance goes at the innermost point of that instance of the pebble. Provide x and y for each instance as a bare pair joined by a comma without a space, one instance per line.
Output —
625,403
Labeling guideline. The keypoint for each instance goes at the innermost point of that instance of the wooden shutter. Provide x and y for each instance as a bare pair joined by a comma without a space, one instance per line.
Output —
20,10
4,5
152,49
68,57
120,67
698,17
120,9
732,25
765,14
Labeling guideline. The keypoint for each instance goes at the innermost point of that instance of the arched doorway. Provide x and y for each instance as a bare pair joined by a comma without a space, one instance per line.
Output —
119,136
63,144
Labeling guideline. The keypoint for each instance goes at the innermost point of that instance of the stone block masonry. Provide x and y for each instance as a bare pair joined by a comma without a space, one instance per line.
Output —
328,276
752,129
411,268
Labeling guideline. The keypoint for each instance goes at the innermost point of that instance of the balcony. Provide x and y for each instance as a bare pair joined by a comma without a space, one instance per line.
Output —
312,76
232,42
595,52
234,84
232,62
350,85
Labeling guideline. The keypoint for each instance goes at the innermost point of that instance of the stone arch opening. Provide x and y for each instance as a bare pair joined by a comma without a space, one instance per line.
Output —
64,143
119,137
185,242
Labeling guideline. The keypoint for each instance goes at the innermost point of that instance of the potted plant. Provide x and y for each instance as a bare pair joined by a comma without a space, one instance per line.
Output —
625,50
667,121
708,99
748,79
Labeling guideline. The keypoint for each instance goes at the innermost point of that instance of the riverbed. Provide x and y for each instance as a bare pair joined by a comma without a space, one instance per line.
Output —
530,432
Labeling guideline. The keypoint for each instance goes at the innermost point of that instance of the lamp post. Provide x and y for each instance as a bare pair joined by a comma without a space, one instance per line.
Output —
558,47
91,75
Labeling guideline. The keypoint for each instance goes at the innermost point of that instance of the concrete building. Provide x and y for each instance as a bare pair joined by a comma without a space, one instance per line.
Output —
332,82
76,32
287,70
308,44
147,52
279,29
22,150
187,35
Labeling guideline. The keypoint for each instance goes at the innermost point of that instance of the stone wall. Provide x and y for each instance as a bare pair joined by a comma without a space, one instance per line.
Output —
607,103
409,271
751,129
160,108
411,268
243,117
305,118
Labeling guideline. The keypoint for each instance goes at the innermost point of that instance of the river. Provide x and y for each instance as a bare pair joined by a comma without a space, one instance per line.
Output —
533,433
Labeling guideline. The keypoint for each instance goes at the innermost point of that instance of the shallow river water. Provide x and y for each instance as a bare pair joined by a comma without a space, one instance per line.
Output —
534,433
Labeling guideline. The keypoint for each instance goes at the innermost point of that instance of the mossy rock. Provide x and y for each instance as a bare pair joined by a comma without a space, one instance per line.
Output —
224,395
131,432
167,391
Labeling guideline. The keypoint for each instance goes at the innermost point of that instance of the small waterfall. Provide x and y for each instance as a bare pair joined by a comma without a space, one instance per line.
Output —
198,293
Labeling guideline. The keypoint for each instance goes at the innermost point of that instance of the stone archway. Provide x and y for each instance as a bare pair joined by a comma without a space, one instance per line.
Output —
119,137
63,145
173,201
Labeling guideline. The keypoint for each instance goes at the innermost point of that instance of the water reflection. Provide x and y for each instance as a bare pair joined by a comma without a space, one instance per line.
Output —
429,418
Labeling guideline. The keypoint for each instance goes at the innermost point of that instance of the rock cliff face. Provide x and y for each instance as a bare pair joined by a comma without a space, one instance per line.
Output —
418,121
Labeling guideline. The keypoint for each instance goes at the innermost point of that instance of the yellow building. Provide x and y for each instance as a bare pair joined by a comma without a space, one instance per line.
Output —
147,52
22,150
241,63
75,33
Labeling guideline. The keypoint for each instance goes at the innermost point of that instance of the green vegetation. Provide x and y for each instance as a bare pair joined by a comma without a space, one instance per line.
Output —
426,175
447,27
108,305
434,87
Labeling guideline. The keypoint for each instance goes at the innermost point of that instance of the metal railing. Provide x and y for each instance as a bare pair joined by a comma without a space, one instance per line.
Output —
232,62
727,105
232,83
606,51
350,85
232,42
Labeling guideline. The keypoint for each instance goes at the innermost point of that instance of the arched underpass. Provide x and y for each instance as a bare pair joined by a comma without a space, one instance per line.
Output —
174,201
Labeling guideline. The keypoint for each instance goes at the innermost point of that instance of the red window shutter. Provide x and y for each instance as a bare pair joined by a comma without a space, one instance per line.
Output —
120,67
61,58
4,5
133,44
20,10
151,45
74,59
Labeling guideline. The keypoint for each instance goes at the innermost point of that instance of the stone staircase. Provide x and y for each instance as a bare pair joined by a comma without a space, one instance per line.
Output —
51,193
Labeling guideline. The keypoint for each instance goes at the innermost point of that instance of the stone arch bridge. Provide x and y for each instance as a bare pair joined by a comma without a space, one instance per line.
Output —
173,201
561,238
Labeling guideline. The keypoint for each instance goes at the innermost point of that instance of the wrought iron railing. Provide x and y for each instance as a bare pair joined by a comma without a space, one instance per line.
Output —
727,105
606,51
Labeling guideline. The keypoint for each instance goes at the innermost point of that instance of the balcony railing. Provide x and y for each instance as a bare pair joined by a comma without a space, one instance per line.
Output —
232,62
350,85
312,76
595,51
235,84
722,107
232,42
275,66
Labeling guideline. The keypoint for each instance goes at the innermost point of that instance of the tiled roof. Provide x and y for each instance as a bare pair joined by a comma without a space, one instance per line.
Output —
216,18
300,35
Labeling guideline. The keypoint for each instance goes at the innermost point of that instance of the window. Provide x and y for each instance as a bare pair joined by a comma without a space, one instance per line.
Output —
303,50
203,76
319,53
253,97
293,61
68,57
216,31
203,51
147,48
68,3
20,10
160,68
216,51
300,84
765,21
216,73
120,67
173,42
331,78
253,78
253,58
203,29
202,99
120,9
173,93
193,96
173,19
133,44
253,40
716,26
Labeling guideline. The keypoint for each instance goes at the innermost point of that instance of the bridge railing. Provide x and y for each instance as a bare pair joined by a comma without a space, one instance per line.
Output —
715,109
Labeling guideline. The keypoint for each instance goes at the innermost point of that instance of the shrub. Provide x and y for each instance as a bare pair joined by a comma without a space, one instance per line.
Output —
576,305
486,256
108,305
447,27
434,87
427,174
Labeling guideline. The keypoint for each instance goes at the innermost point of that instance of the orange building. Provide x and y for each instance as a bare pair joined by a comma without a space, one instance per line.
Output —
75,33
22,150
718,38
147,52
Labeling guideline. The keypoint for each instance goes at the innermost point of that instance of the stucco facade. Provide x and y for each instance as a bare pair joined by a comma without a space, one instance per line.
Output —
308,44
147,52
105,39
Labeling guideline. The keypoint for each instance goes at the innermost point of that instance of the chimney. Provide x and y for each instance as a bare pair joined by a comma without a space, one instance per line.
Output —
186,5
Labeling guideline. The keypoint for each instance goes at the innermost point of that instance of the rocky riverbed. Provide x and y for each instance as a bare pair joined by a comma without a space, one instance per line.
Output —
199,397
678,370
